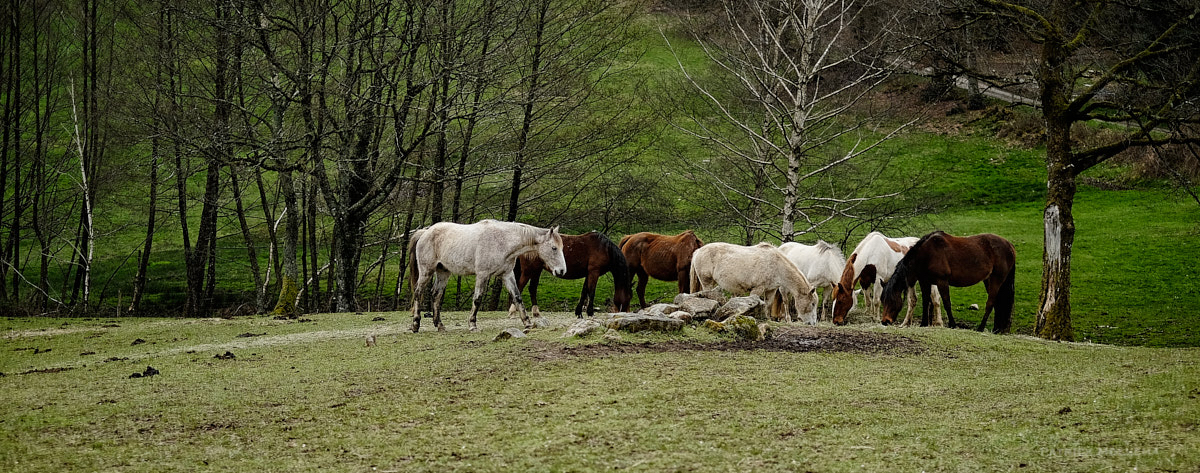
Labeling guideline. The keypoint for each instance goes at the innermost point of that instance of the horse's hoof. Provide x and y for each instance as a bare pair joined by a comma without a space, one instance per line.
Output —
473,328
416,328
441,328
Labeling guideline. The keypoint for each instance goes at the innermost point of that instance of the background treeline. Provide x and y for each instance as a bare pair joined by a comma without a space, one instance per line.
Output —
293,144
238,156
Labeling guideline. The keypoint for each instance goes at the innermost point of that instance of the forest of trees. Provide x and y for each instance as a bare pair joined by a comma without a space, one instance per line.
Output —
293,145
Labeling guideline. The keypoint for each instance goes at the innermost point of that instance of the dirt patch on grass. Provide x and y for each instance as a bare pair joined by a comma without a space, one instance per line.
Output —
789,339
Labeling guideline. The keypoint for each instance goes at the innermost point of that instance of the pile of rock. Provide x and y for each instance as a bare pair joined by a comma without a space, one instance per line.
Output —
738,316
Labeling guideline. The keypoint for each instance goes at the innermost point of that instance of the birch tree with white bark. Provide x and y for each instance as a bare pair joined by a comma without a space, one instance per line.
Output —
790,86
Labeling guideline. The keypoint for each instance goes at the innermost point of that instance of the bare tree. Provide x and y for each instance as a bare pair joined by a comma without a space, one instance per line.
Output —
790,80
1131,63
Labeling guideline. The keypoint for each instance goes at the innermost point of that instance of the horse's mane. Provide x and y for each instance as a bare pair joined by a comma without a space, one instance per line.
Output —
619,266
824,246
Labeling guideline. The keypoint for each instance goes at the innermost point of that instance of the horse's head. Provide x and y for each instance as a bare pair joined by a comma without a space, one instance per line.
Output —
843,293
891,303
893,295
622,294
550,249
808,310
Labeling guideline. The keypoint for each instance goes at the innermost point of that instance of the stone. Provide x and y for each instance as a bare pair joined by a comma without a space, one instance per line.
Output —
660,310
641,322
766,331
973,307
582,328
714,294
749,306
612,335
700,308
683,315
714,326
743,328
509,333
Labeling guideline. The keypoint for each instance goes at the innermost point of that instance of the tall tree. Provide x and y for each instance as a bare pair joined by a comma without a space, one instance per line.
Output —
1136,64
789,85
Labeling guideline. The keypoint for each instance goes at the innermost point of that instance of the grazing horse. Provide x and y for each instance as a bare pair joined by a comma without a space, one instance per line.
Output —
821,263
485,249
873,260
588,255
761,270
664,257
943,260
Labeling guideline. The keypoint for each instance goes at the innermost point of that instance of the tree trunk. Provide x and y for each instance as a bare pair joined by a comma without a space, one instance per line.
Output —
1054,305
260,289
289,280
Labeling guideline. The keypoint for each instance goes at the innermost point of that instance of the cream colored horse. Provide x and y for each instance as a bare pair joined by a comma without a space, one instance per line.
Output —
761,270
486,249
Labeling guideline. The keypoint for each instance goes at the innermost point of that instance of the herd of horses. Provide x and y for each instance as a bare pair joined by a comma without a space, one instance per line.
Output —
886,271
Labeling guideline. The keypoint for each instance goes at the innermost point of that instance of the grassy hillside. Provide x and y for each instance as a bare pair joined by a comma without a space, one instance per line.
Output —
309,396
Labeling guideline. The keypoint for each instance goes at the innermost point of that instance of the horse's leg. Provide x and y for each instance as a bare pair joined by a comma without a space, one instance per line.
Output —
533,285
992,287
439,290
926,300
521,283
589,288
510,283
935,303
417,288
685,280
643,278
944,290
481,283
582,301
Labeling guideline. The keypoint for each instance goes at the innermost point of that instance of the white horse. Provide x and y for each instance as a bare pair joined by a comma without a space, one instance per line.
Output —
821,263
874,260
761,270
485,249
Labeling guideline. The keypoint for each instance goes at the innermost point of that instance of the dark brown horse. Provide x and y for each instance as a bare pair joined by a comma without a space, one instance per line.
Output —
945,260
589,255
663,257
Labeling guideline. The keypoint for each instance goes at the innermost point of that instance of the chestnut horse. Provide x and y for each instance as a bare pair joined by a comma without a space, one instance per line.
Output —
664,257
588,255
943,260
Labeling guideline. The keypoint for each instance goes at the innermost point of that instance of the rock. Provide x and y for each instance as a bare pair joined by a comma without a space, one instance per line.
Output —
766,331
700,308
612,335
973,307
683,315
714,326
370,340
743,328
660,310
714,294
509,333
582,328
640,322
749,306
538,322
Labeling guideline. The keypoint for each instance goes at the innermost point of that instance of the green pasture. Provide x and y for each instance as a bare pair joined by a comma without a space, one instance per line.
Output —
309,395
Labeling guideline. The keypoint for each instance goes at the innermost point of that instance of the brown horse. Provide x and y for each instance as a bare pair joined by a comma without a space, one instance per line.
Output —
944,260
588,255
664,257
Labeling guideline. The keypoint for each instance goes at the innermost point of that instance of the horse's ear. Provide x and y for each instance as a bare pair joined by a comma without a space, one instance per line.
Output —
554,229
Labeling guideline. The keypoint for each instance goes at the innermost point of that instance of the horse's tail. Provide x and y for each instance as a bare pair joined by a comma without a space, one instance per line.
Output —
617,263
412,256
1004,302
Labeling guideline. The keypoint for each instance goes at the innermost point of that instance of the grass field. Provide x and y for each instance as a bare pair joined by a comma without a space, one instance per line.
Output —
310,396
